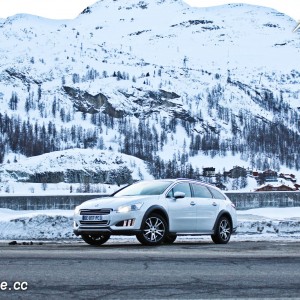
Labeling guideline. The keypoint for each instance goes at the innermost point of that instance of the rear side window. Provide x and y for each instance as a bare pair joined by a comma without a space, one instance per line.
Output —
180,187
201,191
217,194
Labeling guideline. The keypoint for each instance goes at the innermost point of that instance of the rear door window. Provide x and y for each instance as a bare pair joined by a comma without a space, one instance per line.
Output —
217,194
201,191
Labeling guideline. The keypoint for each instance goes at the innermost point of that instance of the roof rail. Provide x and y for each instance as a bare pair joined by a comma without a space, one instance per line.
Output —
192,179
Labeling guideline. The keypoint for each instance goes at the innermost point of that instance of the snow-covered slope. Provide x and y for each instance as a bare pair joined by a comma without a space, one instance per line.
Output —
158,80
74,164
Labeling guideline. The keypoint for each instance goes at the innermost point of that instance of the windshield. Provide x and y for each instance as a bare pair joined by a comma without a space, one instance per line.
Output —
144,188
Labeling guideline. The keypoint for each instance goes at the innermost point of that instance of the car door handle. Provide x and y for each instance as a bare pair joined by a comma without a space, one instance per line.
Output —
192,203
214,204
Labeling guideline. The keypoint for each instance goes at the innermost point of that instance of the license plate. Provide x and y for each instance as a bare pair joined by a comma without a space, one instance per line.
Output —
92,218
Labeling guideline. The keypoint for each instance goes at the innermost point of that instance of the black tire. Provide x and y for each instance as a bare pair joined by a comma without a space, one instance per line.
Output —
222,231
95,240
154,230
170,239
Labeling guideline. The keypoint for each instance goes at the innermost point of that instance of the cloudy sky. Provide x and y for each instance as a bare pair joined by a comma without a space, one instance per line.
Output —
69,9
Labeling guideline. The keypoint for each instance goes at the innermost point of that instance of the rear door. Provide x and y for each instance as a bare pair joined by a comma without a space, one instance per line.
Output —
207,208
182,211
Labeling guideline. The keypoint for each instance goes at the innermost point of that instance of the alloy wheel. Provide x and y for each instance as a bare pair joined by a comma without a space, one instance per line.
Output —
153,230
225,230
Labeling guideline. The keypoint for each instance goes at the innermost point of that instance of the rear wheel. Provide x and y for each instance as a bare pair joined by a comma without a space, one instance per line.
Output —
154,230
222,232
95,240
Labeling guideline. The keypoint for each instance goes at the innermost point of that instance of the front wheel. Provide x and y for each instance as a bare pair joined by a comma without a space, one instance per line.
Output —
222,231
154,230
95,240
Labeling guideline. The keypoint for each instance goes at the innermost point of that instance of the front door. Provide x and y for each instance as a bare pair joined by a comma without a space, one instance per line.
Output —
182,211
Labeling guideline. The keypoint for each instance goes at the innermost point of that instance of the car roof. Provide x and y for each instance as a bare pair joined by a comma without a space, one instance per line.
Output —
185,180
188,180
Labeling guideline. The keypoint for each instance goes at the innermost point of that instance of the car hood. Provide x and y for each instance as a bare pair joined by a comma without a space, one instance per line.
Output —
114,202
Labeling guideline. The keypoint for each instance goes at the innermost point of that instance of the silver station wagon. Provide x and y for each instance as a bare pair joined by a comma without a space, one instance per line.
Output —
157,212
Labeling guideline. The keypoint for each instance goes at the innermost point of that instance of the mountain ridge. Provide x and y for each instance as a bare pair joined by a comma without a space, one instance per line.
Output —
159,86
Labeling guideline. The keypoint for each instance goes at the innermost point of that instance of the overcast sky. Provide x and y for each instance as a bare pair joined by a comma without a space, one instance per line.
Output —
69,9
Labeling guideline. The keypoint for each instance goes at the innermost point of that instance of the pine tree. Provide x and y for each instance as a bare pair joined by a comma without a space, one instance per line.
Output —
13,102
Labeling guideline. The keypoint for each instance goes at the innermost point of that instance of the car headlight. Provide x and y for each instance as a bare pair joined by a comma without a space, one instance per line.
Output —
128,208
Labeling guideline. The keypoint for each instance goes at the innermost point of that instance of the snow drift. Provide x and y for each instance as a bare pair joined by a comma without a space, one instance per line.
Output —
258,224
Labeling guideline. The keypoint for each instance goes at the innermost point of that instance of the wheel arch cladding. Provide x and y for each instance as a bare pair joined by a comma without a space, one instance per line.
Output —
223,213
159,210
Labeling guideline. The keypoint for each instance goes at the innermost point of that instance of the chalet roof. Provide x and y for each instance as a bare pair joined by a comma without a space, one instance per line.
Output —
276,185
237,168
291,176
209,168
269,171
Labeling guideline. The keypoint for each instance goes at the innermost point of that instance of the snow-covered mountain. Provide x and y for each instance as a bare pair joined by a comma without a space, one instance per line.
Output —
172,85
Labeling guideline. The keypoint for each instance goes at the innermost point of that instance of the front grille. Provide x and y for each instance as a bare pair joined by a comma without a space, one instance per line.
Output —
93,222
102,223
103,211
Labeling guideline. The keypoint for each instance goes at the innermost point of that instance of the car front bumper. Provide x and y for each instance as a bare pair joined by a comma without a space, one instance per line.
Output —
113,223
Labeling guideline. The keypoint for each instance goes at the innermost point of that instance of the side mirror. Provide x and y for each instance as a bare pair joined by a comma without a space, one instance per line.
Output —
178,195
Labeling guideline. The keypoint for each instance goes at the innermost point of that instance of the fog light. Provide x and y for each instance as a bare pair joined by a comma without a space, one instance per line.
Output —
129,222
126,223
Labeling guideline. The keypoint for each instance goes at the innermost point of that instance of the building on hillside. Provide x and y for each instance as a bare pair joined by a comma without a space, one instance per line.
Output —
297,187
209,172
249,172
270,176
274,188
236,172
290,177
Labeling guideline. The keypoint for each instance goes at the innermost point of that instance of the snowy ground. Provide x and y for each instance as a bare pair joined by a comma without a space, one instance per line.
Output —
56,225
